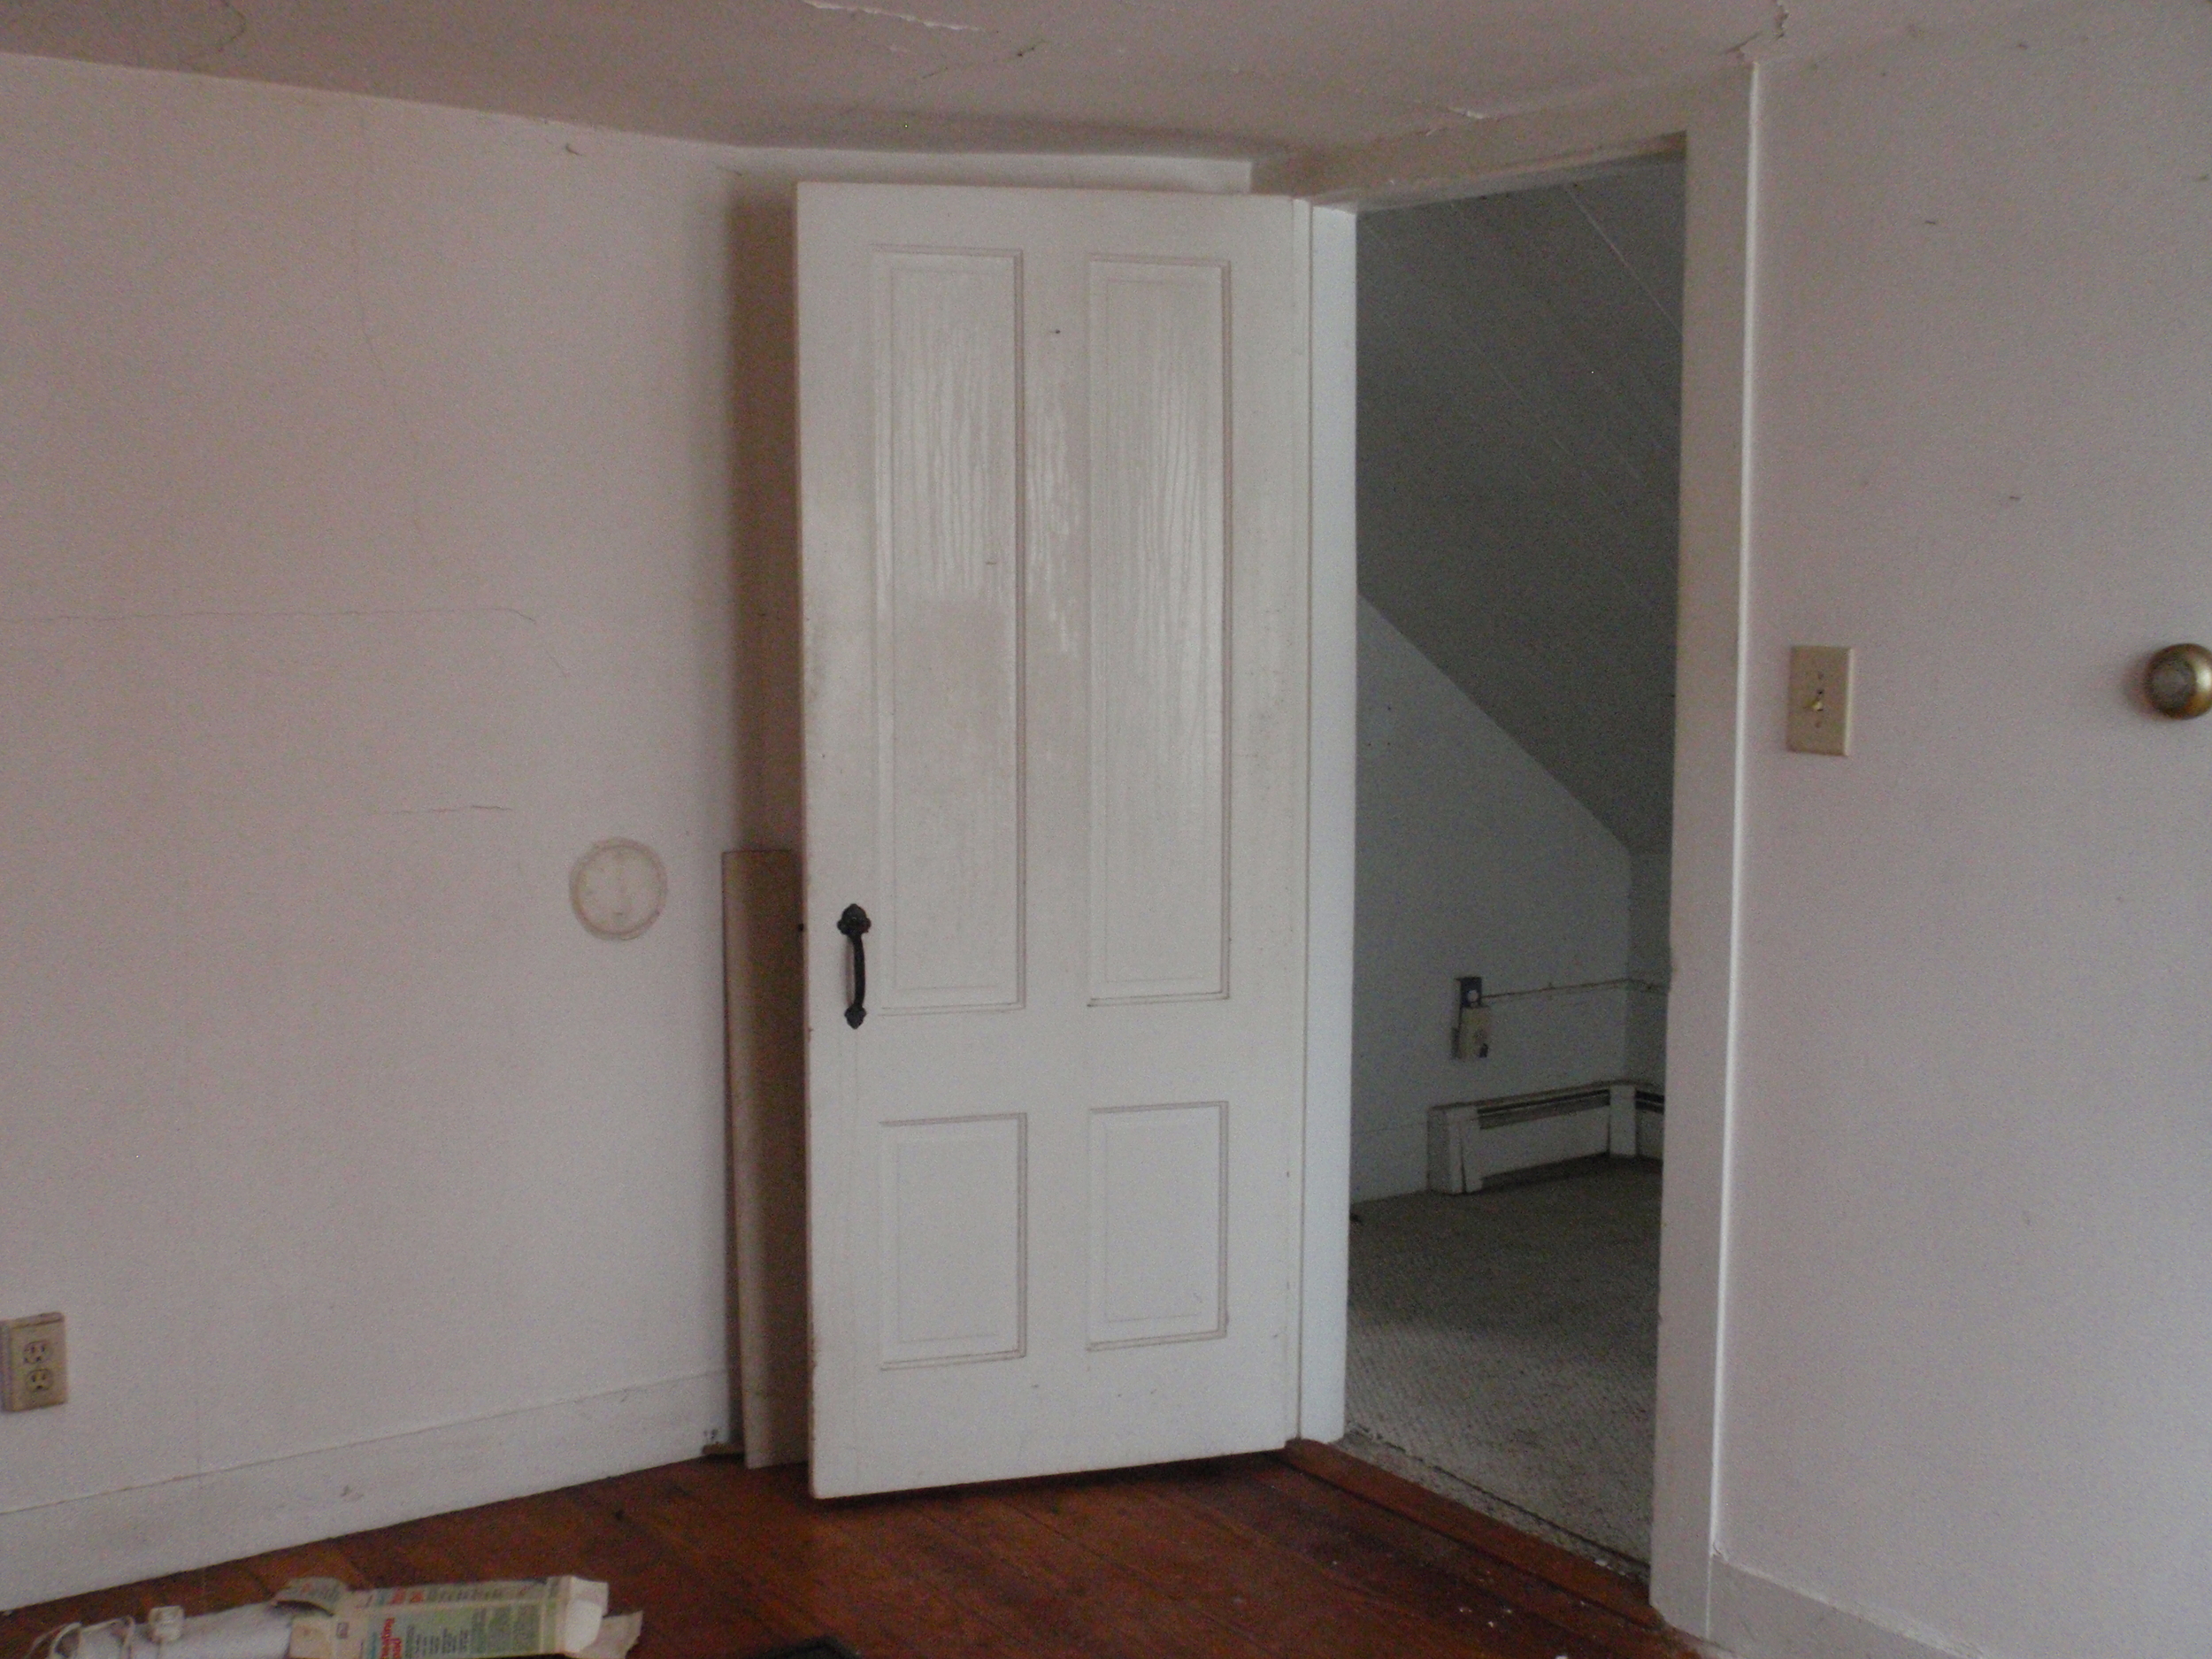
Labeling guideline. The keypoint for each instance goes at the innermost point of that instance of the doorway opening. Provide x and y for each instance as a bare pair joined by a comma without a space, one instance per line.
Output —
1520,428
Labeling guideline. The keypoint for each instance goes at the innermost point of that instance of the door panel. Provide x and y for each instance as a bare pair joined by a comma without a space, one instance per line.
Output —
1158,551
948,546
1159,1253
951,1237
1053,454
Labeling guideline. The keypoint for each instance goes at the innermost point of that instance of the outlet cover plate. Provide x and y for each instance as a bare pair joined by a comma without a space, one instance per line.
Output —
1820,699
34,1363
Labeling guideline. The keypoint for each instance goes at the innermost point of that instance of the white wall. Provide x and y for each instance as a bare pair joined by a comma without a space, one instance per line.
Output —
392,502
1968,1383
1472,859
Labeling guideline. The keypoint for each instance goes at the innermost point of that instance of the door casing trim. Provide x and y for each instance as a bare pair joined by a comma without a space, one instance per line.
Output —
1712,125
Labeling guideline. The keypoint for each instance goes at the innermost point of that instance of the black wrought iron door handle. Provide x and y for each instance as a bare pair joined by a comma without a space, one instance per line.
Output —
853,924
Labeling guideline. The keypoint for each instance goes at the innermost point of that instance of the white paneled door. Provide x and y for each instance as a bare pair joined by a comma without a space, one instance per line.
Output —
1052,453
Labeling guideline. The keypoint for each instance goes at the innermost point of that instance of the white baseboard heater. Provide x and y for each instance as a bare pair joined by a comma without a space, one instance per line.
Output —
1470,1141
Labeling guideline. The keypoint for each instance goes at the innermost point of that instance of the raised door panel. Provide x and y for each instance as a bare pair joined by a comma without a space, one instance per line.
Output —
948,656
952,1234
1158,572
1159,1239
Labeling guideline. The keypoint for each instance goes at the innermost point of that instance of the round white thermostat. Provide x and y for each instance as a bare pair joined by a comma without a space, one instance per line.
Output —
618,888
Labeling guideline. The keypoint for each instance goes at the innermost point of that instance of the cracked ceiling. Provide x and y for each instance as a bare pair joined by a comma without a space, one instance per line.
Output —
1248,78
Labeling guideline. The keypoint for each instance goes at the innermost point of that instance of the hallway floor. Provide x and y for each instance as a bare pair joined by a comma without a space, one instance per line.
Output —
1503,1350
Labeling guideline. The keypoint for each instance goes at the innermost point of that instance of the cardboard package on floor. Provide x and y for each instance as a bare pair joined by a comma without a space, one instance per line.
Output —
503,1619
320,1619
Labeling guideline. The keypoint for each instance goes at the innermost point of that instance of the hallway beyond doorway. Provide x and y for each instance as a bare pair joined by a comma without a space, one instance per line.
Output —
1502,1349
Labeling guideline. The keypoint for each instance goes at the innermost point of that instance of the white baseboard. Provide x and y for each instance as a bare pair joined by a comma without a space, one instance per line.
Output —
79,1544
1755,1617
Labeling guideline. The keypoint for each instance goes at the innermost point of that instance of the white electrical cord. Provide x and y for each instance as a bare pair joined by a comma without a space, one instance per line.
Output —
73,1634
257,1631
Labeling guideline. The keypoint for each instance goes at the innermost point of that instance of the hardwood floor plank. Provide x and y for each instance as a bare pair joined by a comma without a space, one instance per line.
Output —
1158,1531
1019,1580
1106,1608
1569,1572
390,1555
820,1568
690,1615
1397,1556
325,1560
723,1592
528,1538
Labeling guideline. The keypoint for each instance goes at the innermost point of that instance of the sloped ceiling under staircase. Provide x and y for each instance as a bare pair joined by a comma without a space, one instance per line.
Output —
1519,424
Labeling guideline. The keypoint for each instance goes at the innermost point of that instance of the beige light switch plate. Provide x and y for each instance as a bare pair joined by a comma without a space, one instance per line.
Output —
1820,699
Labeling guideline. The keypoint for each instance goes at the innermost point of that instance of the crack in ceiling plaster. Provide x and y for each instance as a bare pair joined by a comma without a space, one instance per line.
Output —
1769,40
237,33
898,17
235,25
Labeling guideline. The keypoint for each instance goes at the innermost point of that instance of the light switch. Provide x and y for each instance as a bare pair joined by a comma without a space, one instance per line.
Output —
1820,699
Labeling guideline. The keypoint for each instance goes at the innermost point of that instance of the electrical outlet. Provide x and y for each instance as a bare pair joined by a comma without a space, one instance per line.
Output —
34,1363
1471,1036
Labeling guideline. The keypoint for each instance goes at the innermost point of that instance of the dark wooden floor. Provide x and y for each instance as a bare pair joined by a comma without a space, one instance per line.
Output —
1246,1557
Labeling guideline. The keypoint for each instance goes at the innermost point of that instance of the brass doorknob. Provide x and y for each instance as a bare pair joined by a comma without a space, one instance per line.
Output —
2178,681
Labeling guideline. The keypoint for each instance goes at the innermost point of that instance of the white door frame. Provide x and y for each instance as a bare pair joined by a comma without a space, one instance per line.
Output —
1711,123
